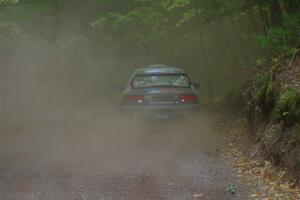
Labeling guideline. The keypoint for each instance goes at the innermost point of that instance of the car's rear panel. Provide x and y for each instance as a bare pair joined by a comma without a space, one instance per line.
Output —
160,99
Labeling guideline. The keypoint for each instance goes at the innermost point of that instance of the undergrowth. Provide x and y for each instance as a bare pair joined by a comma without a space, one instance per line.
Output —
287,107
273,111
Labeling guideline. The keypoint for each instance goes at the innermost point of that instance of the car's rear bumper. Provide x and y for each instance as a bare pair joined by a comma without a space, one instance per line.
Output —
152,107
159,111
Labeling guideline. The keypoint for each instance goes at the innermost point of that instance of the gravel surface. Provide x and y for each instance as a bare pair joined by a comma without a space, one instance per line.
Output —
88,157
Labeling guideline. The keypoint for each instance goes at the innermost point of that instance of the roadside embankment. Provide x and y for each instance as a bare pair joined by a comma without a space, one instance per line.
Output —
265,139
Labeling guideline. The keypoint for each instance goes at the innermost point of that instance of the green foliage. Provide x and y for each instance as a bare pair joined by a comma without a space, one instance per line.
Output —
260,62
151,22
272,93
283,39
211,39
186,17
71,46
261,81
262,93
272,133
262,78
267,93
287,107
231,188
292,138
8,1
13,37
172,4
145,26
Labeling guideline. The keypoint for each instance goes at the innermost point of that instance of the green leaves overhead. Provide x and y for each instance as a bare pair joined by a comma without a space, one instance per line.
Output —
173,4
186,16
8,1
143,24
216,37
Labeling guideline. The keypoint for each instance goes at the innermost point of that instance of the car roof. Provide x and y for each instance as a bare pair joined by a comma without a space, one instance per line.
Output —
158,69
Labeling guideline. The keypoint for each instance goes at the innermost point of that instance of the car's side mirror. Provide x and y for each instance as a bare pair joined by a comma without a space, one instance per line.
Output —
118,87
196,85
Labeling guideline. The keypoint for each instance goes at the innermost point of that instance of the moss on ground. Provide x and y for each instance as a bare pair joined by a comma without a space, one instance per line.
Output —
287,107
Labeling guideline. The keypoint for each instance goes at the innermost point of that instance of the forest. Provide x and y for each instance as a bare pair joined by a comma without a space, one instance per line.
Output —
244,53
218,41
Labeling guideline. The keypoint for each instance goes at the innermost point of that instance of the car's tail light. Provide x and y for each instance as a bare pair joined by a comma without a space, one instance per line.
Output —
189,98
135,99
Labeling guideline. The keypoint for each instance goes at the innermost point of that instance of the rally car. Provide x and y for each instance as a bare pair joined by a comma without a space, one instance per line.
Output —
159,90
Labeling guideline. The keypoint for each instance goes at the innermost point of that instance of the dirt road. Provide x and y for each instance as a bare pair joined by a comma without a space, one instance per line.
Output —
89,155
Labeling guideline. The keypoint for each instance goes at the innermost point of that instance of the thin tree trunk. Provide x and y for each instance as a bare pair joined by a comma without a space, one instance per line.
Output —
264,16
201,48
275,13
291,6
243,46
263,21
254,23
206,66
228,40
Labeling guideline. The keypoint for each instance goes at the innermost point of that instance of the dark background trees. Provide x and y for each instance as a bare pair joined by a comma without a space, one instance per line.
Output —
217,41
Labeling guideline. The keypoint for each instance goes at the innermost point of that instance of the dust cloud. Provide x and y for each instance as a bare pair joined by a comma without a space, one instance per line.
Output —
58,109
58,118
98,140
62,135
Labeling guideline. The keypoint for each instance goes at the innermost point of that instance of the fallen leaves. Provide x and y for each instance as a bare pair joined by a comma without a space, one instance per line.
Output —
267,182
198,196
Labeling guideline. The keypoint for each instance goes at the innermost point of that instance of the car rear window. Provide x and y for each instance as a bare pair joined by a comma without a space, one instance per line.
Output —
161,80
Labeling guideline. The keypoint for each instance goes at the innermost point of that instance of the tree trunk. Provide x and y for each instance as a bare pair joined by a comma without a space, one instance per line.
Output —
201,49
206,66
228,42
275,13
264,16
254,22
291,6
243,46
